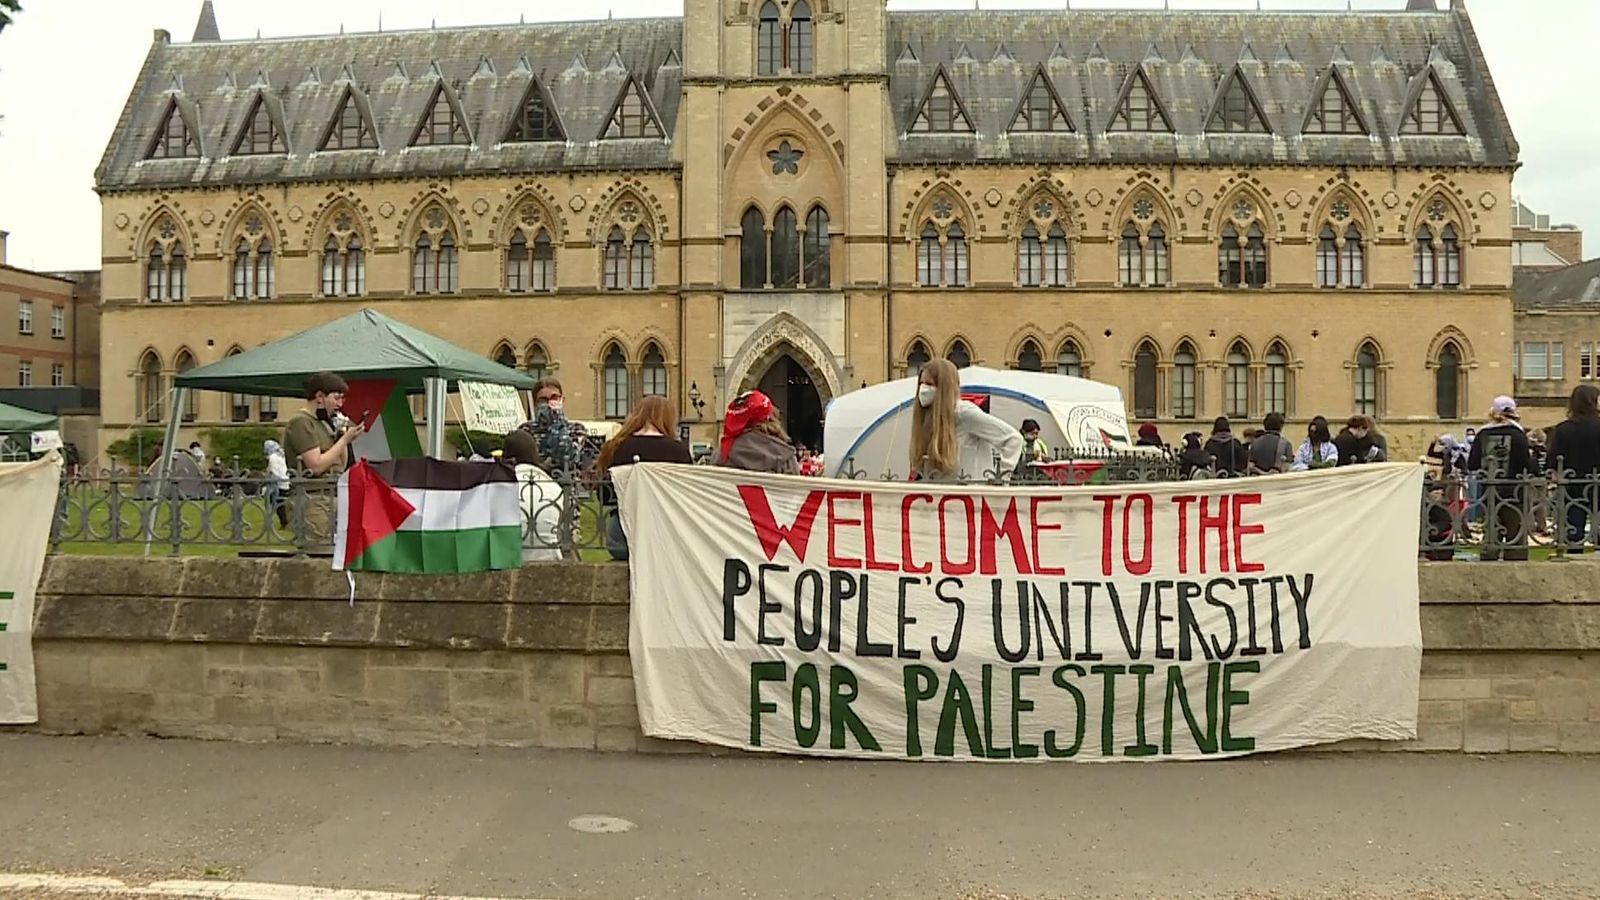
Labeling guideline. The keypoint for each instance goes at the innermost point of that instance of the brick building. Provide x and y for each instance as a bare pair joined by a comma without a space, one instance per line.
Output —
1221,213
52,333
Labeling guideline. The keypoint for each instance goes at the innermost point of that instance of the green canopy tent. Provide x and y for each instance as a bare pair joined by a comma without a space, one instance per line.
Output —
16,427
363,345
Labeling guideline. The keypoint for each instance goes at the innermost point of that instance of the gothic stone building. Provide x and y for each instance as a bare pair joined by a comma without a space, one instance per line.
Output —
1221,213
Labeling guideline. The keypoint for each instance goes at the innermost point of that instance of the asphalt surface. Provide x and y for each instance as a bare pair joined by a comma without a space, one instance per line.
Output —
497,823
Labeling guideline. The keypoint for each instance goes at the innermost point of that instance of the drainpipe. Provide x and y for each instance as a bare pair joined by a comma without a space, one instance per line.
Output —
683,393
888,280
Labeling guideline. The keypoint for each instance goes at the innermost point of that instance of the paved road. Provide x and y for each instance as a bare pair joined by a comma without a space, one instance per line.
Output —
496,823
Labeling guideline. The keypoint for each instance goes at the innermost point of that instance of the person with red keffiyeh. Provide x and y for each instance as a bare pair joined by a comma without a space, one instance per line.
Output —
753,440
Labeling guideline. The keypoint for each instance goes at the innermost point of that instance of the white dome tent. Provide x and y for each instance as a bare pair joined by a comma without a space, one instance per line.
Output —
869,431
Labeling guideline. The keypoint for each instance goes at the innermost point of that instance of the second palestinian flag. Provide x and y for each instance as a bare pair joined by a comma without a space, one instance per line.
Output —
383,409
429,516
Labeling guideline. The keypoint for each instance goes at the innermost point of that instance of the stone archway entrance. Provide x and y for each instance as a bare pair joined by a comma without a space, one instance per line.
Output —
797,399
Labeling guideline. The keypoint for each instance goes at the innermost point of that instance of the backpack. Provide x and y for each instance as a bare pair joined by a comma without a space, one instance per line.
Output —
1271,452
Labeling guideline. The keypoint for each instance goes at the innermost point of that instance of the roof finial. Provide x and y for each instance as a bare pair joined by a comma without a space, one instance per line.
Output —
205,28
380,21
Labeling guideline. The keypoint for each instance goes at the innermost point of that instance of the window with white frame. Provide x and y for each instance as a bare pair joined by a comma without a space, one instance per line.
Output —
58,321
942,256
24,317
25,373
58,375
1539,361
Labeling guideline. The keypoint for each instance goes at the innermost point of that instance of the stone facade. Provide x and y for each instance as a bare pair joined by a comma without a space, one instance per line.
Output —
738,147
264,650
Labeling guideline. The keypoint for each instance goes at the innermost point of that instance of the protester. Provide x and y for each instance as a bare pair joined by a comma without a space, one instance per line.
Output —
315,441
277,481
1317,451
198,452
1574,457
1231,456
1149,436
1034,449
646,436
1499,458
1358,443
753,440
953,440
1270,451
563,444
1193,457
542,499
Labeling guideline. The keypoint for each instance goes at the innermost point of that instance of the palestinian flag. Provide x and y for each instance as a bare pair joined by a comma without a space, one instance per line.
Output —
382,409
427,515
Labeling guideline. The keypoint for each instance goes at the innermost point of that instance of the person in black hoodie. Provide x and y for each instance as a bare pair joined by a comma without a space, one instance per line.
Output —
1358,443
1500,456
1231,456
1574,454
1194,458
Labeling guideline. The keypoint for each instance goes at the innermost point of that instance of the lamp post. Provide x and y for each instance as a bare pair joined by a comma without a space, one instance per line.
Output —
695,401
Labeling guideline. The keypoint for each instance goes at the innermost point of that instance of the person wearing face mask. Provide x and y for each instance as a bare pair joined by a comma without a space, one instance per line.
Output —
956,441
317,439
562,443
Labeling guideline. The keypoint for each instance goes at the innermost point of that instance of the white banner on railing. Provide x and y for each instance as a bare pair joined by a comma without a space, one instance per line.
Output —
1172,620
27,503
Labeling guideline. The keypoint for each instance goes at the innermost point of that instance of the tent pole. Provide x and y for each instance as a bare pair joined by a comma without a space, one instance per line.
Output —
164,465
434,395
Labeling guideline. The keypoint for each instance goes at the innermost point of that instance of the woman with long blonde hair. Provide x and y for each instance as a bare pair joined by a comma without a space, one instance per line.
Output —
645,436
956,441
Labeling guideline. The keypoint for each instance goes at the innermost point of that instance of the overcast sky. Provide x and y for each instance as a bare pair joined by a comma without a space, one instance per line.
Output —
67,66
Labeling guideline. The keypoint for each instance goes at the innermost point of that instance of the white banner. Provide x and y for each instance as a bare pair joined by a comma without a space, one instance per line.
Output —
495,408
46,440
1173,620
28,499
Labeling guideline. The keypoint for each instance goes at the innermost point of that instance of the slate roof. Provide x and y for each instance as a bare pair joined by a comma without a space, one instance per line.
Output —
990,57
1089,57
583,66
1574,286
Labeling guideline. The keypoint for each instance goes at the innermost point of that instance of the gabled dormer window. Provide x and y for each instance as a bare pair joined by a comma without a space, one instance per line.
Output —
1140,108
1431,113
173,140
350,129
535,118
440,125
632,116
1041,108
941,109
1236,109
1335,111
260,134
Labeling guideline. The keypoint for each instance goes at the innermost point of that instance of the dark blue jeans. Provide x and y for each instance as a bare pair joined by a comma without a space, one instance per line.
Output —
1580,510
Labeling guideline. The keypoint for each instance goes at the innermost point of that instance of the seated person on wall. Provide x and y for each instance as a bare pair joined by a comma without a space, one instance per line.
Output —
1500,457
317,439
1360,443
753,440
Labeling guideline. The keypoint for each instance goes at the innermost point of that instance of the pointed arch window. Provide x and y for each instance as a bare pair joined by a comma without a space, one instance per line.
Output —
517,263
183,363
614,370
151,390
166,269
242,270
1353,259
959,354
1030,257
1029,358
917,358
177,273
269,408
1057,264
818,268
1447,382
1327,258
1069,360
544,262
753,250
265,276
955,256
1366,380
769,40
537,362
785,249
928,256
1156,266
641,261
332,268
350,128
505,356
1276,380
424,271
1242,260
1449,258
1230,257
654,371
616,260
155,275
801,39
238,404
1184,382
1130,256
1144,381
355,268
1236,387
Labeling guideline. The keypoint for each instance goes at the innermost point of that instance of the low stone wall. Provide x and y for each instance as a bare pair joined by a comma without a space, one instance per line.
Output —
272,650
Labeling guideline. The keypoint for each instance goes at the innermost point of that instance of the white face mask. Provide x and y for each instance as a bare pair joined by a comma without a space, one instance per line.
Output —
926,394
554,403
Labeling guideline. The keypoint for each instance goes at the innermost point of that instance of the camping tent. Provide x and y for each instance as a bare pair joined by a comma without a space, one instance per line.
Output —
870,430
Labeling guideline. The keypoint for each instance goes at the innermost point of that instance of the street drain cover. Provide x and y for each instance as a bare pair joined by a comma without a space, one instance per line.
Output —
600,825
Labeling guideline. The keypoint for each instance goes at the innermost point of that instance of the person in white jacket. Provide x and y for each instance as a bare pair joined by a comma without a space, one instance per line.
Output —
952,440
277,481
542,499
